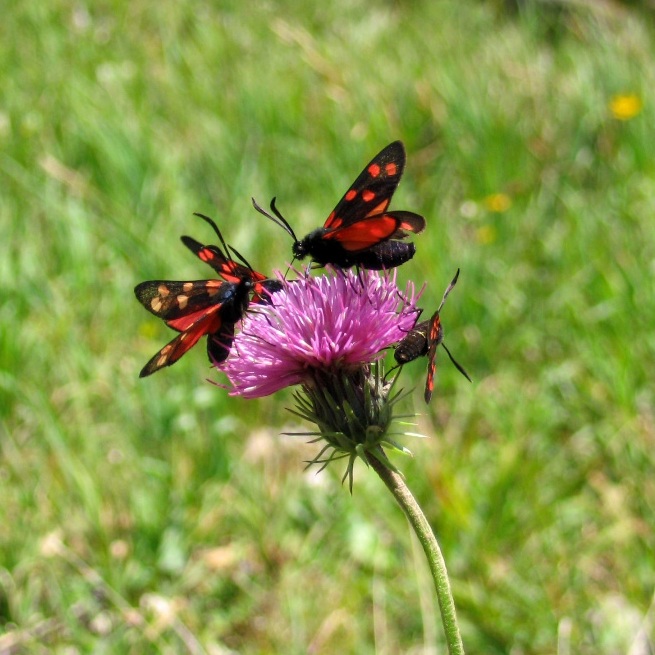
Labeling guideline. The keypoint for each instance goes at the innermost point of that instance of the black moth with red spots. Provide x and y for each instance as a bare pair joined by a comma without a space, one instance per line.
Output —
360,231
424,340
204,307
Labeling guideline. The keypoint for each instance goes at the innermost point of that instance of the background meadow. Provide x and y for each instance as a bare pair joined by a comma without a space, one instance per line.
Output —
161,515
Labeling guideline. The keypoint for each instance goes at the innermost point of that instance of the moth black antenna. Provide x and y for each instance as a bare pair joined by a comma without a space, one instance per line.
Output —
448,290
278,219
458,366
241,258
276,211
215,227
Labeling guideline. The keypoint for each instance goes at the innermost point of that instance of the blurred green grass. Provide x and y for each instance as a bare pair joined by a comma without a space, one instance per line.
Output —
160,515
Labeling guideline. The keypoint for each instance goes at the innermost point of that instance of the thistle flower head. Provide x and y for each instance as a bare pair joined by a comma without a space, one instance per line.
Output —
318,327
327,334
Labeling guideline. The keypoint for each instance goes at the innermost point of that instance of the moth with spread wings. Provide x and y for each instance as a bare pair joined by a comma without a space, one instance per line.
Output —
424,340
204,307
360,231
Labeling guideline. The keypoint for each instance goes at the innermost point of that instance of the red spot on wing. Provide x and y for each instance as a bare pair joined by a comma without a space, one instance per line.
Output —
228,277
435,337
174,350
379,209
365,233
374,170
333,221
412,223
429,383
367,196
391,169
187,340
229,271
351,195
257,277
260,291
435,327
210,315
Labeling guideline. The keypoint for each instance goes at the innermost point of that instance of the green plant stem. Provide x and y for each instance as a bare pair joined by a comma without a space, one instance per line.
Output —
412,509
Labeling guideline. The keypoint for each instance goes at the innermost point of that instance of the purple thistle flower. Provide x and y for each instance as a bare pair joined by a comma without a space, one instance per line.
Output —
319,327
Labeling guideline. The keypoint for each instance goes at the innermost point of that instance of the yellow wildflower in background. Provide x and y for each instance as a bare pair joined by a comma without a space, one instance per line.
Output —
625,107
497,202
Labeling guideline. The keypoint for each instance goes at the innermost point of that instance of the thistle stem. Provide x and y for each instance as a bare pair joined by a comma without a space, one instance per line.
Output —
419,523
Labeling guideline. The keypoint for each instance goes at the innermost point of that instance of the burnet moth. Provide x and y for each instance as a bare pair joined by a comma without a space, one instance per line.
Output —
424,339
204,307
360,231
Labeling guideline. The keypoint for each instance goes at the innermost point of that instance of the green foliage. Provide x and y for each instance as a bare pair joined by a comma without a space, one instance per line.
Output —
161,515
